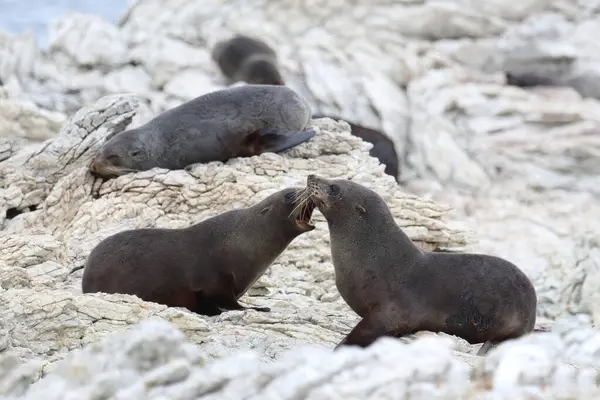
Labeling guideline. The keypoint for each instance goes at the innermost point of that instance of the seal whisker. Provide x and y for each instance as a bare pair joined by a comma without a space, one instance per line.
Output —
301,200
298,193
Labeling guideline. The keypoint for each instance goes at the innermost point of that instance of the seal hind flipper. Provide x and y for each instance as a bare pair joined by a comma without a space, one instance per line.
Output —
275,141
226,300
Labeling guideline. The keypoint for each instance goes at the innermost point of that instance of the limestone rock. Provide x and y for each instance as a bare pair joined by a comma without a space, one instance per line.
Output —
23,123
153,360
470,130
17,56
29,175
101,45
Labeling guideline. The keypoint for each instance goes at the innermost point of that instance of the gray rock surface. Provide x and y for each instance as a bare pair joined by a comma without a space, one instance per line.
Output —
154,360
487,167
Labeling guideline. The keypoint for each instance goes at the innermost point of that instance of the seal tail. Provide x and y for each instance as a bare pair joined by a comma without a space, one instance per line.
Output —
274,141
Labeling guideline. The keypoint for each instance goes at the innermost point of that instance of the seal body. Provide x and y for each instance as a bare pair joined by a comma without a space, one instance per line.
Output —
234,122
206,267
398,288
383,147
247,59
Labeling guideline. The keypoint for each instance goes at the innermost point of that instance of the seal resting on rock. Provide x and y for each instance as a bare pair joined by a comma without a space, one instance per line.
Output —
383,148
398,289
247,59
527,80
235,122
206,267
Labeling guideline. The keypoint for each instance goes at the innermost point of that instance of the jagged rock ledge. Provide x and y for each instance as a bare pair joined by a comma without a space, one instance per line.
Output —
154,360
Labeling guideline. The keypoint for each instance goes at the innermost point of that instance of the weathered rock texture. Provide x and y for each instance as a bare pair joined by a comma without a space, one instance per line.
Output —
154,361
520,165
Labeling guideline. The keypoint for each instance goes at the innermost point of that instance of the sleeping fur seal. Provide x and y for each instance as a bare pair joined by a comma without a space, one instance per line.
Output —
206,267
247,59
235,122
398,288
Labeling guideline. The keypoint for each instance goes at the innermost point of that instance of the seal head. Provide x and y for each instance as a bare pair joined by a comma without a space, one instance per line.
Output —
247,59
124,153
260,70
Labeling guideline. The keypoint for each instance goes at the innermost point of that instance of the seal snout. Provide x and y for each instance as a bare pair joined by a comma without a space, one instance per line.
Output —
317,195
96,167
101,167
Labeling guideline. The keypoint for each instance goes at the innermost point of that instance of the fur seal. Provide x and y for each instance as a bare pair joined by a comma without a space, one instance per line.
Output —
527,80
247,59
398,288
234,122
383,147
206,267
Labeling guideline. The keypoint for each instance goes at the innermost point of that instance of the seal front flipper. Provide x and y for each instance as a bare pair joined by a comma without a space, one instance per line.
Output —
275,141
227,299
377,323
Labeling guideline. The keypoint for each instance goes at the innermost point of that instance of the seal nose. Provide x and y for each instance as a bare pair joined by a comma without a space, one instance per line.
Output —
97,166
311,179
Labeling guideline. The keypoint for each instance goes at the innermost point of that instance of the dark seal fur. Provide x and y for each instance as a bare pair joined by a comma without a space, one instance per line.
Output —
206,267
383,148
246,59
399,289
235,122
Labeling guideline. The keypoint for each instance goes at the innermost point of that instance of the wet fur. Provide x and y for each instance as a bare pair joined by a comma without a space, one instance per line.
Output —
383,147
398,288
217,126
206,267
247,59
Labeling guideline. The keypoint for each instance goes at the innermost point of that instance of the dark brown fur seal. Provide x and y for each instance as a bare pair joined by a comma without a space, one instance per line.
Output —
398,288
206,267
383,147
247,59
527,80
235,122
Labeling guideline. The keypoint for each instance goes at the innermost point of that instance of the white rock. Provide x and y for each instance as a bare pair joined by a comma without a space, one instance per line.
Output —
88,41
153,360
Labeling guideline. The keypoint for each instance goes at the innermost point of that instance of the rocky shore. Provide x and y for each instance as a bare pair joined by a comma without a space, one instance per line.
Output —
487,166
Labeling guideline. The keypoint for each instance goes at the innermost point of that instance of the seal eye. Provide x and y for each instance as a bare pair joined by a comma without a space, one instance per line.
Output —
335,189
361,210
114,159
134,153
265,210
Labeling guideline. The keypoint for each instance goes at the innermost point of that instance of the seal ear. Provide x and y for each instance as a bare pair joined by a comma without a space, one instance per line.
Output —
265,210
361,210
